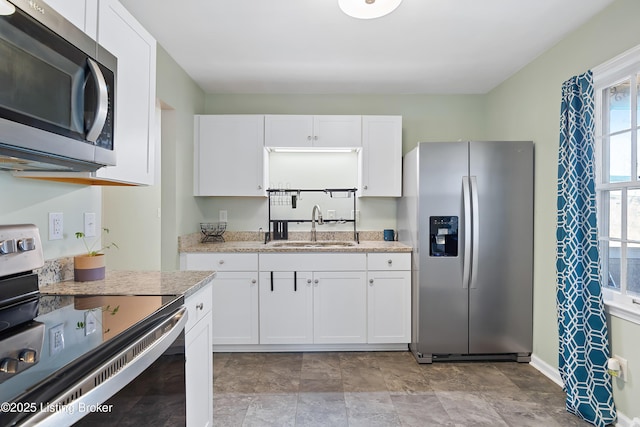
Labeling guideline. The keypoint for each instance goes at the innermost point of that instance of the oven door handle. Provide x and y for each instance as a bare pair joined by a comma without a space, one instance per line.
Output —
114,374
102,102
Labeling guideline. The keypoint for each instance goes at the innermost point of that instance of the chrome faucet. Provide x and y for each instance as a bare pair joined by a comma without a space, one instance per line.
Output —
316,209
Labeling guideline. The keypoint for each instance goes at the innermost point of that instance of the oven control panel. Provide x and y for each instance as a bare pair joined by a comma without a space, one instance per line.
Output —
20,249
21,349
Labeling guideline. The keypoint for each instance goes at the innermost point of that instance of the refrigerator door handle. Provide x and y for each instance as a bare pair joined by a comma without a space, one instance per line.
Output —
476,232
466,253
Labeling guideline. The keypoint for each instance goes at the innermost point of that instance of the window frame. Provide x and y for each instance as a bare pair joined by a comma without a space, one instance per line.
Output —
619,69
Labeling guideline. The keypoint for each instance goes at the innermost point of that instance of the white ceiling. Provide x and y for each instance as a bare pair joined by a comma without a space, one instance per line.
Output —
310,46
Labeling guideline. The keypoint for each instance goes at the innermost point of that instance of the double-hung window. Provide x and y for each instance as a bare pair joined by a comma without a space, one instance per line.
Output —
617,96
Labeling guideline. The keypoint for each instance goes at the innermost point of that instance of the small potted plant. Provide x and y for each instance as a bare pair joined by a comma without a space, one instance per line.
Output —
91,265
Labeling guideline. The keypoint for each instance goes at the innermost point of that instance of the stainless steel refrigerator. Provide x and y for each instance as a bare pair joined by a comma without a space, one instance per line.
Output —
467,210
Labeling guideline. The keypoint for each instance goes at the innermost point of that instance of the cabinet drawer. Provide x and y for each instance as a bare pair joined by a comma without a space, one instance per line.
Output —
389,261
198,306
313,262
220,262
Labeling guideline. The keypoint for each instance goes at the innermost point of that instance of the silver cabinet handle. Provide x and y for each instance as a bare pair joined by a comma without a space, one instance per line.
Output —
309,138
366,187
200,306
315,137
309,281
371,282
253,281
221,262
102,102
390,262
259,187
316,281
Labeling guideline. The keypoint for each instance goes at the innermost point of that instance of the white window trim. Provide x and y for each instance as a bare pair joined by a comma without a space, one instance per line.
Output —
607,74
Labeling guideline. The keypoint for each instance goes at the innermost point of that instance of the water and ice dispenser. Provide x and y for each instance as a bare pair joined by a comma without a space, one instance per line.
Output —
443,232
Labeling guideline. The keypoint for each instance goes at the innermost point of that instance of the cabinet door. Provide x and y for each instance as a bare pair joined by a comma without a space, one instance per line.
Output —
288,131
389,307
286,308
228,155
134,135
199,374
235,308
337,131
339,307
81,13
381,173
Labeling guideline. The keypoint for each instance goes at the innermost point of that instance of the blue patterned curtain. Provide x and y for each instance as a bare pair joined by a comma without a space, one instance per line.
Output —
584,345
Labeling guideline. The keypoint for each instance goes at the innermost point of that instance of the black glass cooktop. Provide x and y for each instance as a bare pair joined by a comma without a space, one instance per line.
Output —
77,333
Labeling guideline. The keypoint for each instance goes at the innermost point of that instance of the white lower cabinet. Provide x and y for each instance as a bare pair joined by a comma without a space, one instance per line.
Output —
234,296
235,308
199,359
389,304
389,298
307,298
340,307
286,307
325,306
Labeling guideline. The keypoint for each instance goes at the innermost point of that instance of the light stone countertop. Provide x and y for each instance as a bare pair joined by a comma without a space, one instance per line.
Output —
183,283
261,247
248,242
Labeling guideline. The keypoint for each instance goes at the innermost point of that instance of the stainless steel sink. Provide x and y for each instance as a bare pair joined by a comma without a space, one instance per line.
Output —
323,244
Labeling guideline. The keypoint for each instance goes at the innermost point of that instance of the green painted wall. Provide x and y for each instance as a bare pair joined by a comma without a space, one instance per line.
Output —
527,106
181,98
424,118
30,201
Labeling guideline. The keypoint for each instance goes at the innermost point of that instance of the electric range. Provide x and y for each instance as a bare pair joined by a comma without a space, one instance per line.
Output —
61,357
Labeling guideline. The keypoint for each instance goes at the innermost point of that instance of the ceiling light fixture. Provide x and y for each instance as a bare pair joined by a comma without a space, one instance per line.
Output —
6,8
368,9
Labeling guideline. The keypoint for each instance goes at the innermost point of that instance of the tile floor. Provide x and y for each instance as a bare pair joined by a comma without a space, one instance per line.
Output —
380,389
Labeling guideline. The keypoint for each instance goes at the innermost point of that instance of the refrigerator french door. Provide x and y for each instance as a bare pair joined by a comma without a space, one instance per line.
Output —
473,284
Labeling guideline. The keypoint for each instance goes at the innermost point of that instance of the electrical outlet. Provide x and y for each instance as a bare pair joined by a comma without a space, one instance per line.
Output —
222,216
55,226
56,339
90,322
623,367
89,224
331,214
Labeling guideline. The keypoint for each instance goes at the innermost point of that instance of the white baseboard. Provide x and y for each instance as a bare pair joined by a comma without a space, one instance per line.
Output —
262,348
554,375
549,371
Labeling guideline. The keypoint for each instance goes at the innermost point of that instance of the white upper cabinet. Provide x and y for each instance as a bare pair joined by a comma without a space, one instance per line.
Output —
113,27
312,131
81,13
381,171
228,155
134,140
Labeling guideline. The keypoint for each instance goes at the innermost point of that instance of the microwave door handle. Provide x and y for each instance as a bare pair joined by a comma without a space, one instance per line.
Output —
102,104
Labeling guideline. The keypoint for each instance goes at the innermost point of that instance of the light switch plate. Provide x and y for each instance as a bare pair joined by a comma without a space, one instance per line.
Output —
89,224
90,322
56,339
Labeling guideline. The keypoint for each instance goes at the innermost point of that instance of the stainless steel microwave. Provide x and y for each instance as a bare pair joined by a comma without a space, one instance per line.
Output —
57,93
